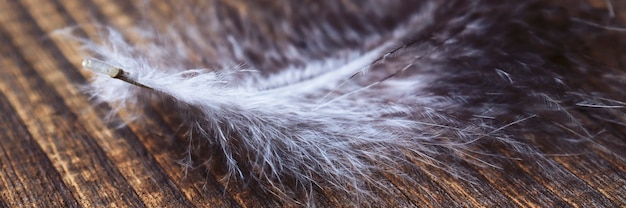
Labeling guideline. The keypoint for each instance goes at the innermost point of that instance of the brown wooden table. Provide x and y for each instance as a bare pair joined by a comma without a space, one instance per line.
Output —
56,150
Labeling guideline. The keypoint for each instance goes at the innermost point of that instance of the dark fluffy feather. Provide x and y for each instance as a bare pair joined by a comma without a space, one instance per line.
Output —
454,80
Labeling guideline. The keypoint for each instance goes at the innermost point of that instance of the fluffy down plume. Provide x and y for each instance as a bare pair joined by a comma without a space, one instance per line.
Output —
294,98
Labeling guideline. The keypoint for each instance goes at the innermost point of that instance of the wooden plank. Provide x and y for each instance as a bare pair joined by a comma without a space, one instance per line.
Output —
128,154
550,173
28,178
82,164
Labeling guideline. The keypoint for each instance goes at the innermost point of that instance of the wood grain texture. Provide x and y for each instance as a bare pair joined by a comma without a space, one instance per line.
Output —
57,150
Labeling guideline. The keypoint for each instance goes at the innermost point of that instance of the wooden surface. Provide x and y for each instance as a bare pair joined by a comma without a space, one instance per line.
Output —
56,150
